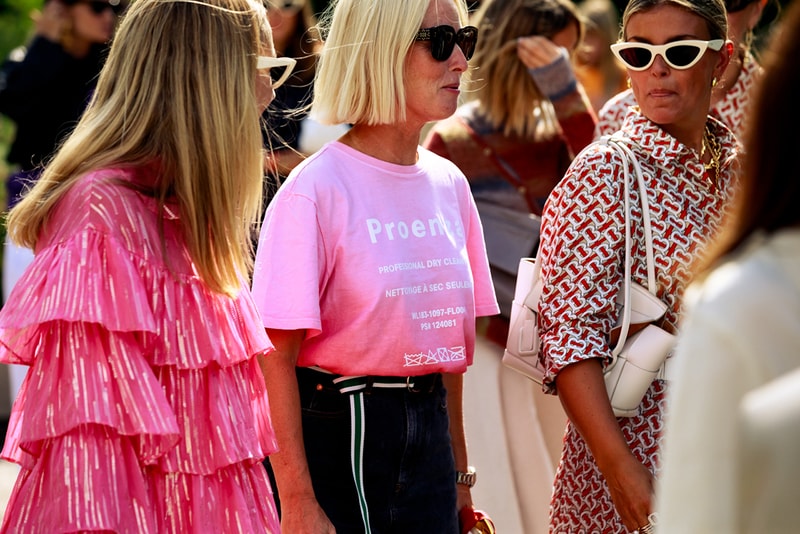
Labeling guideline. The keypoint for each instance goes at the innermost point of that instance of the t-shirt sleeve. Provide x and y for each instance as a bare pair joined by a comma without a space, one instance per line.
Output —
290,247
485,299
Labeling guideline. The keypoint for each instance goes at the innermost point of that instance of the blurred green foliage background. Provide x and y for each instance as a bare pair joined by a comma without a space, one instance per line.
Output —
15,29
15,23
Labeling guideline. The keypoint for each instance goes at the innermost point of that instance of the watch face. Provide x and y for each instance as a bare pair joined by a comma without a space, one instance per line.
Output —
468,479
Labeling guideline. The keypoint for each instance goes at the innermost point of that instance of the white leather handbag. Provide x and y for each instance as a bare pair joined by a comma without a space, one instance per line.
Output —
637,358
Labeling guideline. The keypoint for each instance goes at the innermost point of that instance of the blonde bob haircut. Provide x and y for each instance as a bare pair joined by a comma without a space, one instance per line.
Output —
509,98
177,90
361,73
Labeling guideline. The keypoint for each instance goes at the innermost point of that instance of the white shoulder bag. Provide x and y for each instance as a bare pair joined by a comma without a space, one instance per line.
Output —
638,358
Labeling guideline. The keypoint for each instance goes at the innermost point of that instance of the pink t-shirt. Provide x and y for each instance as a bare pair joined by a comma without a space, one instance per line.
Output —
383,264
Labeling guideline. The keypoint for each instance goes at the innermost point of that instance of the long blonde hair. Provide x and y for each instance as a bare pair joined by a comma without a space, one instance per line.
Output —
509,97
178,90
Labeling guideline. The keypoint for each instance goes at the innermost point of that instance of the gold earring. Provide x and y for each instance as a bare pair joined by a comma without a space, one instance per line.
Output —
628,82
714,82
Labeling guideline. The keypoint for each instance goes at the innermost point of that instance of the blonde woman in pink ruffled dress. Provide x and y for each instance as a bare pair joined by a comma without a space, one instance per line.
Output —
145,410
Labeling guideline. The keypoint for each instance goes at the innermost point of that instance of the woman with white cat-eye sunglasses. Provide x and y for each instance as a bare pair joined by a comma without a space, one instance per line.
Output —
609,466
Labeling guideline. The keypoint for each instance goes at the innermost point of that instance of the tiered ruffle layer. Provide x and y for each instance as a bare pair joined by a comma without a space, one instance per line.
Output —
144,409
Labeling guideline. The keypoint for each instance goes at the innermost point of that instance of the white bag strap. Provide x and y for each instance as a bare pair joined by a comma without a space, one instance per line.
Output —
648,231
629,158
532,300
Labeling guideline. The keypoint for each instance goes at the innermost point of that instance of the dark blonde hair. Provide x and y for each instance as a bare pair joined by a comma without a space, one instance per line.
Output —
509,97
712,11
178,89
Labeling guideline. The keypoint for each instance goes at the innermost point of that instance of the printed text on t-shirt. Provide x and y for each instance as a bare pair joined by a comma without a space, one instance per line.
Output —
434,227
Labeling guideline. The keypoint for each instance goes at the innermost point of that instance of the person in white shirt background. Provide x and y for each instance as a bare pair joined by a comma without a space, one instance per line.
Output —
730,447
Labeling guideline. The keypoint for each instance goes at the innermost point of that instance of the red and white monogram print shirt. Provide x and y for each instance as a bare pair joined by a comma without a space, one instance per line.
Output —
582,248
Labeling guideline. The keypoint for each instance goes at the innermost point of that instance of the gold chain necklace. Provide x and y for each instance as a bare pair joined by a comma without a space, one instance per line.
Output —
714,148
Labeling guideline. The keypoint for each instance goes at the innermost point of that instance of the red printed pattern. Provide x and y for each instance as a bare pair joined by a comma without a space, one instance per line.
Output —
582,252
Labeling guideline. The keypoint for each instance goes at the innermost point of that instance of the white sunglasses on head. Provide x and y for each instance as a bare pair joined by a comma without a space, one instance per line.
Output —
280,68
678,55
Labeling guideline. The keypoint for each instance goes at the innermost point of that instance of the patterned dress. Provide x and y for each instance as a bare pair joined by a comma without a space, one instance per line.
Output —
732,110
144,409
582,252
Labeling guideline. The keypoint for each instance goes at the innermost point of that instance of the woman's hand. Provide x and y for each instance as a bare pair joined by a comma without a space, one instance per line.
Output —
537,51
51,21
631,486
463,497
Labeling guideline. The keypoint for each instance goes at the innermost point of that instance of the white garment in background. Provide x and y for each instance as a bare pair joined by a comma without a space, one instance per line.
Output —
742,331
15,260
770,439
514,434
314,135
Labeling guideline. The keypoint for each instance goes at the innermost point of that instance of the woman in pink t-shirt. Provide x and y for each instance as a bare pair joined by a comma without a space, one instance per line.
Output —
371,269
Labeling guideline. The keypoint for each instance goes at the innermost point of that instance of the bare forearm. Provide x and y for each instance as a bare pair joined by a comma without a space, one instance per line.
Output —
454,383
301,513
583,395
289,463
582,392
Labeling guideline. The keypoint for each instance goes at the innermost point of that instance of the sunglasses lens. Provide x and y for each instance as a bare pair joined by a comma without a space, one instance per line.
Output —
636,57
442,42
276,73
444,38
682,55
467,39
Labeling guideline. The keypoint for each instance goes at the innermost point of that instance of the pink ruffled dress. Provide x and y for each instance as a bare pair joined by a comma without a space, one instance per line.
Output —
144,408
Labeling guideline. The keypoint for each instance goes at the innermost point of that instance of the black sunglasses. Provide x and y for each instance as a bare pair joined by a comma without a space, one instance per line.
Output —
444,38
98,6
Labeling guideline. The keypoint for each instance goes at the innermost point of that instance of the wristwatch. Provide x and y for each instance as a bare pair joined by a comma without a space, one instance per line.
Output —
468,478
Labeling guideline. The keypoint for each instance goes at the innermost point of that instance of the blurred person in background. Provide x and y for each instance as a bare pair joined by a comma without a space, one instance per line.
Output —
733,91
44,88
723,470
601,75
290,135
525,118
